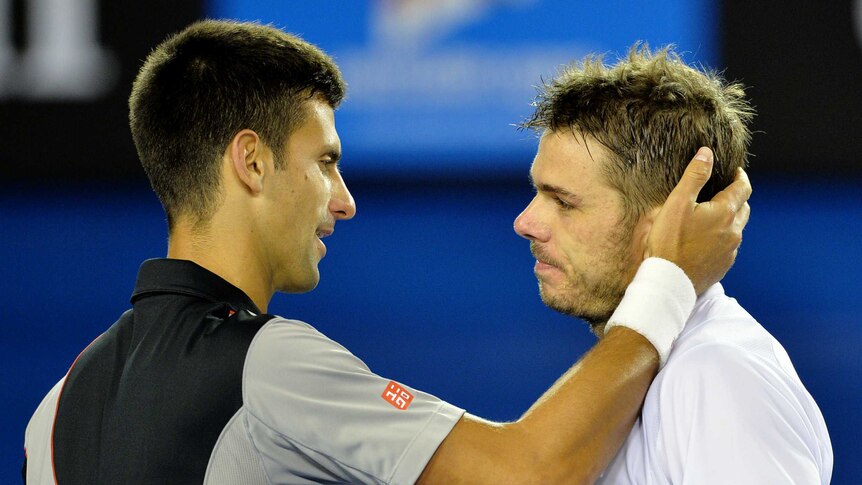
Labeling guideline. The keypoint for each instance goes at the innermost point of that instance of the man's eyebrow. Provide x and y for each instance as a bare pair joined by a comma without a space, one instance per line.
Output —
553,189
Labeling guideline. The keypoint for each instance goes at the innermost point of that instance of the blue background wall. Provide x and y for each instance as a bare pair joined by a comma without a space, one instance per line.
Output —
430,287
429,284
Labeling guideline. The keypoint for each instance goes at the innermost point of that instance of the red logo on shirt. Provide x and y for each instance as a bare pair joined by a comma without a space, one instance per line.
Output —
397,395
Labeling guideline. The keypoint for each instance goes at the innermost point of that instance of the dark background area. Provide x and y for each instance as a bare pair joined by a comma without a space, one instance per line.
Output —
429,284
79,140
802,62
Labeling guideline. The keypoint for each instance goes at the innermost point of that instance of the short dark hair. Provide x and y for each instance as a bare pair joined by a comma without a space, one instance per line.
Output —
201,86
652,112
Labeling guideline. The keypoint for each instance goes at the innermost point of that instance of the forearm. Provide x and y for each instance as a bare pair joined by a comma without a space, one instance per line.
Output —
592,407
572,432
568,436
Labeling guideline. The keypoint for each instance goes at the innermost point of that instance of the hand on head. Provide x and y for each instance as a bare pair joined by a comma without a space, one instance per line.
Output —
702,239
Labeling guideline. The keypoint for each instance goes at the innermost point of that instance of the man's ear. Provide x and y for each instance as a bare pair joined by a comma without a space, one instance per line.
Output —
246,156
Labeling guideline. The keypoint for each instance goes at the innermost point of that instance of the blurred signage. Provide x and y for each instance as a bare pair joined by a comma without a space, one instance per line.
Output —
437,85
62,58
66,69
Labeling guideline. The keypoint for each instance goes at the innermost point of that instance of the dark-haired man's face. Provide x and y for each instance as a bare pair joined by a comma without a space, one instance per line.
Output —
585,253
305,199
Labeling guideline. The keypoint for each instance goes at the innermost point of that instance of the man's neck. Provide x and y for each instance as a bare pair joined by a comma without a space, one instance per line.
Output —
230,257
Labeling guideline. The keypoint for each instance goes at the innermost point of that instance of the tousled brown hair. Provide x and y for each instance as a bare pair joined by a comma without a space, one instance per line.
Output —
652,112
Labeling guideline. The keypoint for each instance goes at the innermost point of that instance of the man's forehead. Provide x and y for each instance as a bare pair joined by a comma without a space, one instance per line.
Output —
575,138
317,126
558,150
566,159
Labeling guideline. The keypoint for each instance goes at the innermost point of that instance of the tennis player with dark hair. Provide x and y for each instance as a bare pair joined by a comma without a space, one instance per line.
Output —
727,407
234,125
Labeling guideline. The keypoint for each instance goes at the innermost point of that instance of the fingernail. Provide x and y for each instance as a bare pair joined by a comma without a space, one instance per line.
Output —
702,154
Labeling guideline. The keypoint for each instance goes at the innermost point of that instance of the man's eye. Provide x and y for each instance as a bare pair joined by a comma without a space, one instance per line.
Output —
563,204
330,168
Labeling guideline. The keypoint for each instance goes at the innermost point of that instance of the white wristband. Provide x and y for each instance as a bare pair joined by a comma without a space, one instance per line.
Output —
657,304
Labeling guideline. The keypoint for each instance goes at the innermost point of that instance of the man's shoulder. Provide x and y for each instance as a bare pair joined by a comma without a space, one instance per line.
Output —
278,331
721,332
727,357
283,323
727,381
294,344
727,352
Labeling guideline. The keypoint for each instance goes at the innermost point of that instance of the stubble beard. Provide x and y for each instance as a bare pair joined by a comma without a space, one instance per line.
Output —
594,300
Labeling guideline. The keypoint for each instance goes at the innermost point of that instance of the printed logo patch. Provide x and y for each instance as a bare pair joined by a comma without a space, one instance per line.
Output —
397,395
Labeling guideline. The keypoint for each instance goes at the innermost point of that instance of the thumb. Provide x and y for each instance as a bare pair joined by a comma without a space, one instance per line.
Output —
695,176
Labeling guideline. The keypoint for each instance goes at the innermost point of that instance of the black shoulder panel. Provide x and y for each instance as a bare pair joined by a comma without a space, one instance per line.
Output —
146,402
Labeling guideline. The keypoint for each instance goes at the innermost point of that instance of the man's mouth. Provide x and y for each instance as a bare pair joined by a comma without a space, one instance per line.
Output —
540,255
544,261
321,233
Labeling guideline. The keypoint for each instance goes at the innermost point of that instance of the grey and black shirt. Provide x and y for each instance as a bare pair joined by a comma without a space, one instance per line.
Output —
195,385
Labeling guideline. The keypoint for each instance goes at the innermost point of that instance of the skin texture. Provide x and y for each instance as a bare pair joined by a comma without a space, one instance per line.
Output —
586,253
276,218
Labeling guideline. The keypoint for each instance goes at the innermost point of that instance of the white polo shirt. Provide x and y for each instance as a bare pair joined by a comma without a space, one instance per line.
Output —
727,408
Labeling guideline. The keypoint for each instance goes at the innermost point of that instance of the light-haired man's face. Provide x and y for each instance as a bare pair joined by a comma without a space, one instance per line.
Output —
585,253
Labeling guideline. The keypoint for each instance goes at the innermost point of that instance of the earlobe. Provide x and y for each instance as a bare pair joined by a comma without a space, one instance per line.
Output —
246,157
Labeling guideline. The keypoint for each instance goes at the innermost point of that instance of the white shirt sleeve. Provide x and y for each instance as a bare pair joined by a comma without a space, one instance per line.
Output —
726,418
38,438
316,411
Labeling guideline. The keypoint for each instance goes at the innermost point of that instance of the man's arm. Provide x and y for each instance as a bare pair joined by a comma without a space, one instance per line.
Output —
574,429
568,436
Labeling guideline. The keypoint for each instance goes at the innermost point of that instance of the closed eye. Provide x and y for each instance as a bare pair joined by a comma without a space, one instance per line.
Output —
563,205
329,164
556,193
330,157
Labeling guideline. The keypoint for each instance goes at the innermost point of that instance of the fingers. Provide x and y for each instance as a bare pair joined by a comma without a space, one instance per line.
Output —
742,216
740,220
737,193
694,178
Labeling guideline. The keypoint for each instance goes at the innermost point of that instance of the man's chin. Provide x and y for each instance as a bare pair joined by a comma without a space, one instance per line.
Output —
301,285
572,308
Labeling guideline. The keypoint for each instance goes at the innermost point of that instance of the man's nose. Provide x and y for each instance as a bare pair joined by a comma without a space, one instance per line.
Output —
529,226
341,205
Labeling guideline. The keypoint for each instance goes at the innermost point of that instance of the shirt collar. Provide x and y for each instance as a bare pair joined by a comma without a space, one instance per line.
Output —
183,277
713,291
